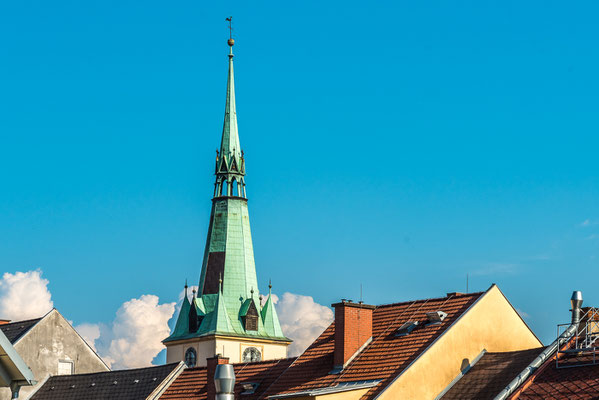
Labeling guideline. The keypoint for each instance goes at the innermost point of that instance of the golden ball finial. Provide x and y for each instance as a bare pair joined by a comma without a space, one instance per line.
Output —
231,42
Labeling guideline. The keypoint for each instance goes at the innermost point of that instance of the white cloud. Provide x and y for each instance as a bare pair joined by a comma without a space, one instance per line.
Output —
523,314
302,319
134,338
24,295
588,222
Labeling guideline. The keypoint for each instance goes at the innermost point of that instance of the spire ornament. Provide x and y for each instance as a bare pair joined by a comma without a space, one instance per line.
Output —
231,42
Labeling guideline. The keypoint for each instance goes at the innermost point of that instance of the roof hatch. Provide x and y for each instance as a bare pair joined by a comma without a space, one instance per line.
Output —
435,317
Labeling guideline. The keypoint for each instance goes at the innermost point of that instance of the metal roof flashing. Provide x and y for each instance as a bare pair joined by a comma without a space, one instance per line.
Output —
340,387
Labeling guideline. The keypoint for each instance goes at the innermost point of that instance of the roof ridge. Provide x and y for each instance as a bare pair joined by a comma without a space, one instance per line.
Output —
117,371
429,299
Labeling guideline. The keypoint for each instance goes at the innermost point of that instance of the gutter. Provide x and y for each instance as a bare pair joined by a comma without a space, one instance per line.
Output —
548,352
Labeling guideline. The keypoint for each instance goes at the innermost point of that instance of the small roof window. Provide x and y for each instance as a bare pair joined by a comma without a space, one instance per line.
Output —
249,387
406,328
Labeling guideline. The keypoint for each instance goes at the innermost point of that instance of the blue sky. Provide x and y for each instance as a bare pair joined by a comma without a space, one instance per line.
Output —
397,145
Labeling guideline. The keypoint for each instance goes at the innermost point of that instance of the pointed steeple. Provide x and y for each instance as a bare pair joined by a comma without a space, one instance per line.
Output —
270,319
229,146
182,325
225,303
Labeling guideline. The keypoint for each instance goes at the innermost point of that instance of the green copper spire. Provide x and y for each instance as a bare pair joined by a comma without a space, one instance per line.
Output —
228,288
230,150
182,325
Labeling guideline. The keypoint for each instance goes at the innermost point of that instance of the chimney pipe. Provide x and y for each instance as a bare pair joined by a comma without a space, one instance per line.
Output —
213,363
576,302
224,382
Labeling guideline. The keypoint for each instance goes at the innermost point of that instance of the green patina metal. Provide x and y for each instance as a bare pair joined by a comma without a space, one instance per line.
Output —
228,284
270,319
182,325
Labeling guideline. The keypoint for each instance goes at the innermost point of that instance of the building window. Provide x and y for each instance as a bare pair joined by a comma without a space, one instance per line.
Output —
251,354
190,357
250,320
65,367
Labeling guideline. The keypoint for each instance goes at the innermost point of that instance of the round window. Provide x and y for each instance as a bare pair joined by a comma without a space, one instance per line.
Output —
251,354
190,357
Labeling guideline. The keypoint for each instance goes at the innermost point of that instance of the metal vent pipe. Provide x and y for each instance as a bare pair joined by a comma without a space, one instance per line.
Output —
224,382
576,302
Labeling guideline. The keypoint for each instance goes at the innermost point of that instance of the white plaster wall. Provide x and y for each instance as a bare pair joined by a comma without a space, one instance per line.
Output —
231,348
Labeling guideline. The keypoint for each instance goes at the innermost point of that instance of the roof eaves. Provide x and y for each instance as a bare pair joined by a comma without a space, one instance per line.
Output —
480,297
340,387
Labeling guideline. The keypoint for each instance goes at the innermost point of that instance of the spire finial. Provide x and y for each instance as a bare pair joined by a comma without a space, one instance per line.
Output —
231,42
269,286
252,292
185,287
220,282
193,293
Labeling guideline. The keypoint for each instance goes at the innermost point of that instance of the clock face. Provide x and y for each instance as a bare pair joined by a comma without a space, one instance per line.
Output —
190,357
251,354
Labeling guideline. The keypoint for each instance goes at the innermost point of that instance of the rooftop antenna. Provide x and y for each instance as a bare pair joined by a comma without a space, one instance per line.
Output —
361,300
466,282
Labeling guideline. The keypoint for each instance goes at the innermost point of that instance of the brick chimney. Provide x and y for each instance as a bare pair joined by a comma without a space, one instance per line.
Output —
353,329
212,362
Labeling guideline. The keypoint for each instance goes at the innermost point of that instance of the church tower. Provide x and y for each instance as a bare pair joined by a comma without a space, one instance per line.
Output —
225,316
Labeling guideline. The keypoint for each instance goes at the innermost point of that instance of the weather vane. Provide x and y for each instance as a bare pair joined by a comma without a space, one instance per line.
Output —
230,20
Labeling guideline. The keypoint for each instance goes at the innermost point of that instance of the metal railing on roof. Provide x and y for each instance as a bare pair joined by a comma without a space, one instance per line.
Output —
581,347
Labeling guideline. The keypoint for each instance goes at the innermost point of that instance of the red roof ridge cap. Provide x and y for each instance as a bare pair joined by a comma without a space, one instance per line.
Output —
429,299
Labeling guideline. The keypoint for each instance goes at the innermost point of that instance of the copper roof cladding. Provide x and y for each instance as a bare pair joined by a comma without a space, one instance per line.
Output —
491,374
191,384
384,358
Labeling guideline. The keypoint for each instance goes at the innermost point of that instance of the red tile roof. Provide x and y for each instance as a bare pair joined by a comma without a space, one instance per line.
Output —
191,384
491,374
384,358
573,383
